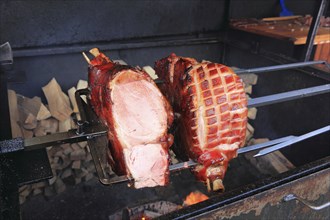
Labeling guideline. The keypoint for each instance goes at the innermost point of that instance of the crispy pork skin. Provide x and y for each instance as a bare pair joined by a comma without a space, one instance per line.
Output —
138,117
212,105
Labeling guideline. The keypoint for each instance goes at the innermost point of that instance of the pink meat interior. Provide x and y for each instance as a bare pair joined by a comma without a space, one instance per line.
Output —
140,119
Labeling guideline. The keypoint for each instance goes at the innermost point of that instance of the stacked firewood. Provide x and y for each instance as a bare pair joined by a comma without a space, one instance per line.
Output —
70,163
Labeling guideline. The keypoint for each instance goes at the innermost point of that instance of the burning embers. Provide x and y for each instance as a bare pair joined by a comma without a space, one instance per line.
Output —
194,198
156,209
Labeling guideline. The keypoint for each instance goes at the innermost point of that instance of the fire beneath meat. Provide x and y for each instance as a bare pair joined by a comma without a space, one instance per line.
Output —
138,117
194,198
212,105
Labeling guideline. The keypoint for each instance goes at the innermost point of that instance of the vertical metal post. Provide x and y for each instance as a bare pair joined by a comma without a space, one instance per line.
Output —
9,202
313,30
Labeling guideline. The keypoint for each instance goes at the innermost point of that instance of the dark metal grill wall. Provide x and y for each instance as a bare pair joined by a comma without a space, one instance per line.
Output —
48,36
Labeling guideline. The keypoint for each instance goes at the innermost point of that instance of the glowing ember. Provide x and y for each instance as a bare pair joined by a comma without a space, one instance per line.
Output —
194,197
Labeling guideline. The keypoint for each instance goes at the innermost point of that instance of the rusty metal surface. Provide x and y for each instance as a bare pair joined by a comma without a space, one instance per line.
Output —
270,204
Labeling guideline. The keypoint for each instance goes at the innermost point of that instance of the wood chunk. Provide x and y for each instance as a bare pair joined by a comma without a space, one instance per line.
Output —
76,164
82,84
22,188
59,186
151,72
121,62
38,185
37,191
258,141
66,173
89,176
68,150
30,122
83,144
250,128
71,93
248,89
64,146
30,105
27,133
249,132
89,157
75,146
26,191
249,78
89,166
80,173
21,199
65,161
65,125
43,113
49,192
52,180
59,104
45,126
270,164
77,180
78,155
14,114
252,113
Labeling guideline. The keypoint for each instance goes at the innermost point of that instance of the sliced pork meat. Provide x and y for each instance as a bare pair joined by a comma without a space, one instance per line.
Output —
212,105
138,117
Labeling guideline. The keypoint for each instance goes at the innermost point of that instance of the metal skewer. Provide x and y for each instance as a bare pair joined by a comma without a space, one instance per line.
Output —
190,163
292,141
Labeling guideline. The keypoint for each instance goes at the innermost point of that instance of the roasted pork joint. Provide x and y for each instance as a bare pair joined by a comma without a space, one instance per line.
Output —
138,117
211,100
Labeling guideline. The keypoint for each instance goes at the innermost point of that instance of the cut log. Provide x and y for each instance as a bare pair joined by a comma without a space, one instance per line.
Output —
248,89
78,155
273,163
150,71
66,173
59,186
122,62
43,113
252,113
59,104
73,101
89,176
75,147
76,164
249,78
14,114
65,125
30,122
52,180
83,144
27,133
82,84
46,126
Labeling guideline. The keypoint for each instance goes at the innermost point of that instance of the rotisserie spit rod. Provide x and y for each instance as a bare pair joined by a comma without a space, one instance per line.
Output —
277,145
91,131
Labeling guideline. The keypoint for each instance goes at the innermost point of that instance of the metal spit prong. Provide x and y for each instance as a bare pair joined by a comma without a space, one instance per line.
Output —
292,196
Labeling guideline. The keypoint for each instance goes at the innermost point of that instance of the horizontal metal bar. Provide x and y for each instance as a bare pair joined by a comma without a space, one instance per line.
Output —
292,141
119,45
190,163
263,145
279,67
287,96
64,137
